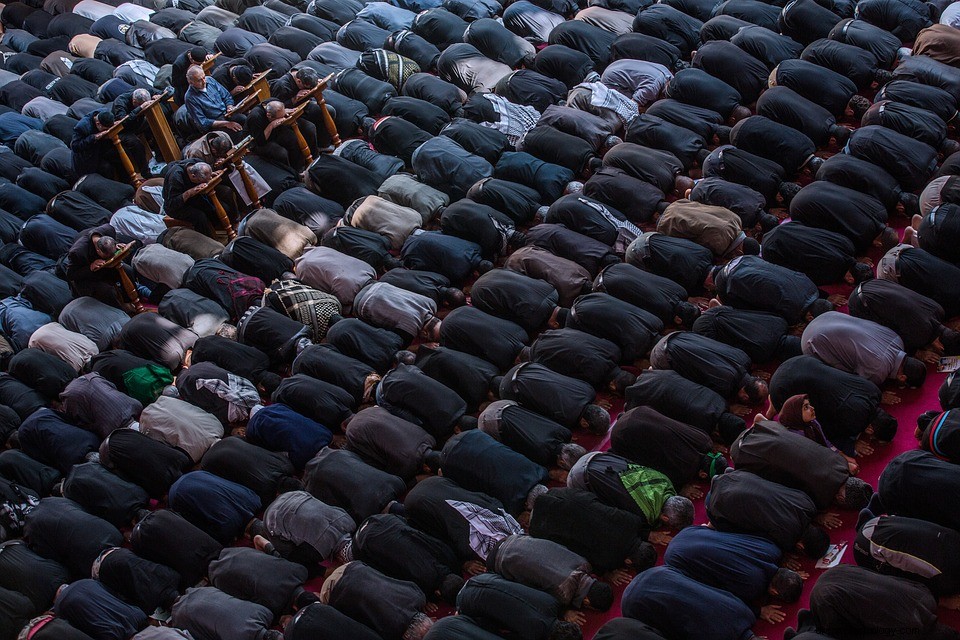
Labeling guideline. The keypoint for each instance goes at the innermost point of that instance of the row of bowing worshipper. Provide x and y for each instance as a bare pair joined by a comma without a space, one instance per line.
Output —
312,315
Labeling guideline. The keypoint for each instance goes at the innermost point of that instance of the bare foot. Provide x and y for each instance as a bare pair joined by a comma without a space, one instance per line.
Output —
431,607
792,561
714,302
759,418
910,237
915,221
763,375
863,448
837,300
803,575
474,567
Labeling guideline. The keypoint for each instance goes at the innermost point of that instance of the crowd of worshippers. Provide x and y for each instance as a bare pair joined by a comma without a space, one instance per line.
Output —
461,227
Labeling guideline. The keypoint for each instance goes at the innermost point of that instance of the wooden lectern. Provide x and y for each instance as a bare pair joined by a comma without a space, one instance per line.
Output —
222,218
317,92
207,65
113,133
126,285
291,119
160,128
235,157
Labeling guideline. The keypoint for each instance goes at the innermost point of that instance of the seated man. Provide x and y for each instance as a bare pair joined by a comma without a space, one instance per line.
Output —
292,88
863,347
94,153
184,181
209,105
642,491
85,260
745,566
274,137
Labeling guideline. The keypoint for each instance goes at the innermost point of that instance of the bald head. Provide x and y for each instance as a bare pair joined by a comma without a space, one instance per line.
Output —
274,109
199,172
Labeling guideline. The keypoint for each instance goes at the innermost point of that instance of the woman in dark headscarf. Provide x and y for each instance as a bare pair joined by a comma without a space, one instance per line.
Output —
798,415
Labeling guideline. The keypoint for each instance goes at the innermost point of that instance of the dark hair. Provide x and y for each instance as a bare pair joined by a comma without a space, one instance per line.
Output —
915,372
600,595
756,390
751,247
642,555
841,134
787,191
597,419
688,313
105,117
819,307
449,588
622,380
768,221
788,584
484,266
925,418
242,74
884,425
859,105
815,541
679,511
861,272
723,133
857,494
910,202
198,54
308,77
563,630
882,76
889,239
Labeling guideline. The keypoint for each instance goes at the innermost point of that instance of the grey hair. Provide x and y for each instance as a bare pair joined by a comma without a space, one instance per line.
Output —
140,95
679,512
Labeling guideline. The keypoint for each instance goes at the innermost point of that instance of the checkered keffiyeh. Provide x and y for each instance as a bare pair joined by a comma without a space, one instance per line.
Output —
239,393
515,119
486,527
303,304
604,97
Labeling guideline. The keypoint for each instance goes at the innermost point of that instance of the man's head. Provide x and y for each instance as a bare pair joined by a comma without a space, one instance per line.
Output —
687,313
739,113
621,381
431,330
274,109
754,391
730,426
450,586
682,182
677,513
537,491
569,454
198,55
912,373
814,542
220,144
713,464
787,192
595,419
105,247
419,627
854,494
139,96
241,74
858,106
883,426
306,78
199,172
599,596
196,78
860,272
641,556
786,585
104,119
819,307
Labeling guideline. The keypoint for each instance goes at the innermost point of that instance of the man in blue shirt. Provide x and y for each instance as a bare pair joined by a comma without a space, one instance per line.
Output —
209,104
